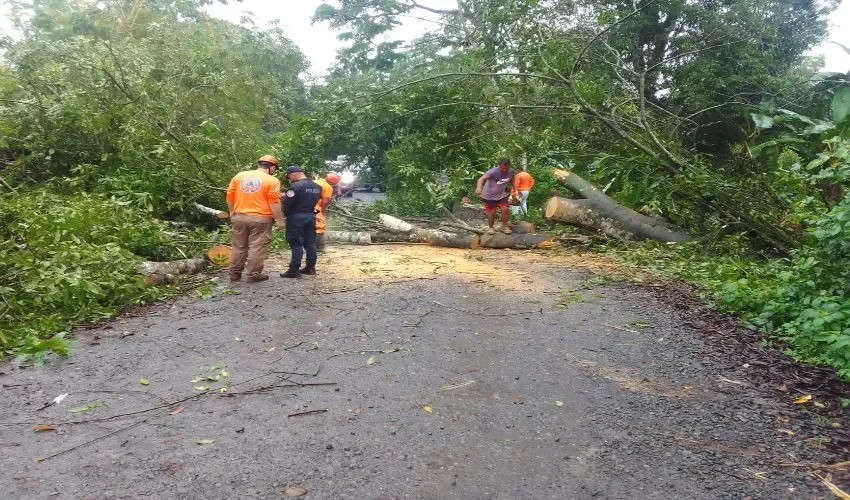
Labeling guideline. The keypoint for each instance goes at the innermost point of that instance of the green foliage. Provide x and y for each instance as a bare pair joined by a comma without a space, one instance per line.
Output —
68,260
165,101
803,301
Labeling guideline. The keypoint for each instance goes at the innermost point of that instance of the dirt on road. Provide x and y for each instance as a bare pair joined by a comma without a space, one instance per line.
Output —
415,372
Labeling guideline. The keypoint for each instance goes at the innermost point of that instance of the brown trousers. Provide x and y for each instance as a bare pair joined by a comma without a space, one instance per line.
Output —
250,237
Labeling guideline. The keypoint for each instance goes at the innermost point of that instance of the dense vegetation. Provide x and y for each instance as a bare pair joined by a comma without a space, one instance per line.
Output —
113,114
706,113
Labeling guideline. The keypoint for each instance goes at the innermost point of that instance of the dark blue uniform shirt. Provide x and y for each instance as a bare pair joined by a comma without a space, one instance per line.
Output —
301,198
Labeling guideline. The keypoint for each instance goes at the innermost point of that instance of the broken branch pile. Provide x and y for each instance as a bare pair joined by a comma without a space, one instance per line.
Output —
456,234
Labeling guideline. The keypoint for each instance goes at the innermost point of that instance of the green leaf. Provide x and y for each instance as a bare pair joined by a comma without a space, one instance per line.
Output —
841,104
370,361
144,381
87,407
204,441
762,121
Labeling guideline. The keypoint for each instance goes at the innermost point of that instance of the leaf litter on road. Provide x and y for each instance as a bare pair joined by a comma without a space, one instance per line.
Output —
87,407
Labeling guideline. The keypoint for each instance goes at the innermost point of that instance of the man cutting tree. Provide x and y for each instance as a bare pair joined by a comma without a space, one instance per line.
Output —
493,188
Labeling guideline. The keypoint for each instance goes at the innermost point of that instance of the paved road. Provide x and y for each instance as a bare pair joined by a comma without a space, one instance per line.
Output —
450,374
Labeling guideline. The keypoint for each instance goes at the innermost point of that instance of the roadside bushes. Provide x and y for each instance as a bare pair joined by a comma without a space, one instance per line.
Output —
68,260
811,305
803,301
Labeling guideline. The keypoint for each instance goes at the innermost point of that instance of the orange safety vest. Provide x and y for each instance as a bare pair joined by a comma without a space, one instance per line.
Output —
253,192
327,195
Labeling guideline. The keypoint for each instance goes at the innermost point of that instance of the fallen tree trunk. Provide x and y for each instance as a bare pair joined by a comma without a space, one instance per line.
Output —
615,220
370,238
219,214
523,227
184,266
433,237
600,212
351,237
517,241
158,273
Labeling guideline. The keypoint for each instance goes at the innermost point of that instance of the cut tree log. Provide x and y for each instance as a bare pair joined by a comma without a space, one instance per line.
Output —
351,237
371,238
517,241
158,273
184,266
390,237
600,212
615,221
523,227
219,214
433,237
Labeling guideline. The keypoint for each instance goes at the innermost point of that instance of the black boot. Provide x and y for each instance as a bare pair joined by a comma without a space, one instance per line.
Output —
309,270
291,273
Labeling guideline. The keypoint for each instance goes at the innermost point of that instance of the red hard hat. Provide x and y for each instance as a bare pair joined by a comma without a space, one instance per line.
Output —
333,179
268,159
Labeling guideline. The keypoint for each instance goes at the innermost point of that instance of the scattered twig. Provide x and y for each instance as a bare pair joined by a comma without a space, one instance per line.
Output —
420,316
452,387
348,215
813,465
111,417
310,412
730,381
518,313
278,386
622,329
835,490
109,434
13,190
360,351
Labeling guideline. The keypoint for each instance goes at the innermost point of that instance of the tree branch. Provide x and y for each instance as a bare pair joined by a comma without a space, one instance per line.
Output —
606,30
446,75
416,5
188,151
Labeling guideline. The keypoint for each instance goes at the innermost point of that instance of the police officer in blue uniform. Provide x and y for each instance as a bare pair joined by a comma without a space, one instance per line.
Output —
299,207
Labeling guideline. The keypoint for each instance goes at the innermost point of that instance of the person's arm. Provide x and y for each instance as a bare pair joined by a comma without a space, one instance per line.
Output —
273,197
231,196
479,187
277,212
327,196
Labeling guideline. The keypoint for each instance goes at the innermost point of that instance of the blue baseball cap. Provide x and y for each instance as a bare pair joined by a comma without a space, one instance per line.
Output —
292,169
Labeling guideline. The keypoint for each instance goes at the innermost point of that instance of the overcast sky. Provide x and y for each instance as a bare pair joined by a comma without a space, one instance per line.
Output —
319,43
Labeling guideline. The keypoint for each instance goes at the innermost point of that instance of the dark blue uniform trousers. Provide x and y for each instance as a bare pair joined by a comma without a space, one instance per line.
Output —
301,236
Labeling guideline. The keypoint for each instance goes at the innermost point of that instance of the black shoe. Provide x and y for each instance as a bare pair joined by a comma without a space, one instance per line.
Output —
311,271
291,273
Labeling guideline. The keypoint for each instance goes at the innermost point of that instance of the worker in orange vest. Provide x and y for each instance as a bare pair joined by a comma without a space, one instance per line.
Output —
253,201
327,185
523,182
